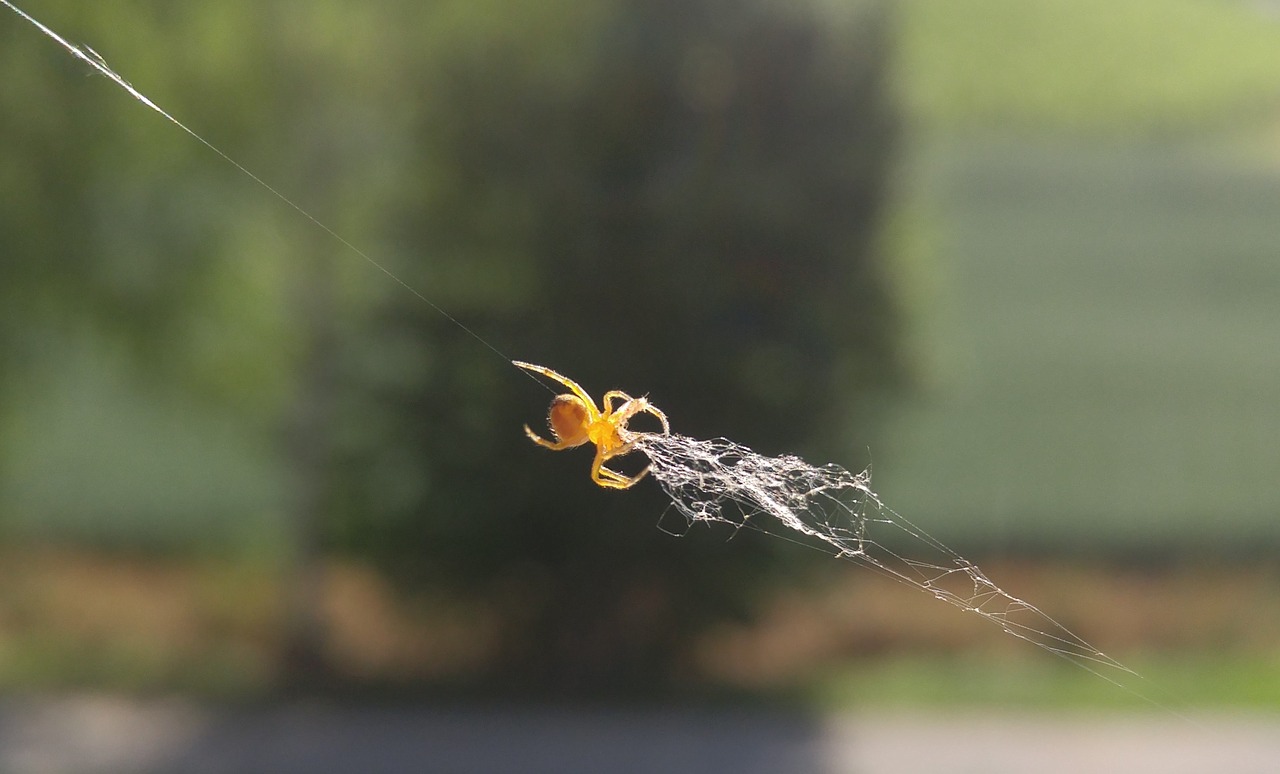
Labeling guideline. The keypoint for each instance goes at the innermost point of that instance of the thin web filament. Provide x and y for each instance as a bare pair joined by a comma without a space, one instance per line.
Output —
828,507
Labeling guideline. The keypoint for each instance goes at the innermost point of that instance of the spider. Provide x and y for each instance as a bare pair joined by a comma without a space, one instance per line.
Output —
575,420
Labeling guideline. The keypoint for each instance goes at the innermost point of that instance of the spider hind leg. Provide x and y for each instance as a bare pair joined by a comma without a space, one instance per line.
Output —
612,479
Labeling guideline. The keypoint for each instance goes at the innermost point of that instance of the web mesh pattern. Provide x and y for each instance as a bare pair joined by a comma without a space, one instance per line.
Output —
830,508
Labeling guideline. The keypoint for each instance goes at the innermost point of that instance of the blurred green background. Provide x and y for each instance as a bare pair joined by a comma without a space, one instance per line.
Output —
1019,255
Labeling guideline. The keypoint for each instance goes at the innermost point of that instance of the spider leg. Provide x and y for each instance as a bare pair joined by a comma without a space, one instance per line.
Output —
566,381
622,481
552,445
612,479
649,408
633,480
635,406
610,396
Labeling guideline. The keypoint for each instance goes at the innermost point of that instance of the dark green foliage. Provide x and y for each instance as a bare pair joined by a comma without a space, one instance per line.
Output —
691,215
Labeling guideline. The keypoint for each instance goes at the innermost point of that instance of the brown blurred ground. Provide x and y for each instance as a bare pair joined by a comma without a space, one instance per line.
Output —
80,620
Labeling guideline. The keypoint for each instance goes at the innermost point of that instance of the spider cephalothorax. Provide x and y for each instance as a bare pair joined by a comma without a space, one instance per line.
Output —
575,420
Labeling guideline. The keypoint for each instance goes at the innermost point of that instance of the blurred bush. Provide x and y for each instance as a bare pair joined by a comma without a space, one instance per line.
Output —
668,197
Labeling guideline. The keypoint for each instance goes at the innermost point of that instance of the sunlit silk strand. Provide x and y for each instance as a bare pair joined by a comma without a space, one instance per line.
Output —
95,60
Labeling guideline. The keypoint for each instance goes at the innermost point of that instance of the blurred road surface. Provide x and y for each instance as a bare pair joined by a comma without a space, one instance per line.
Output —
105,734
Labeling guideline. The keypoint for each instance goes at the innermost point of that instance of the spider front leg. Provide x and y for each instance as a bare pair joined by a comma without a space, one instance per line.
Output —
630,408
612,479
573,386
611,396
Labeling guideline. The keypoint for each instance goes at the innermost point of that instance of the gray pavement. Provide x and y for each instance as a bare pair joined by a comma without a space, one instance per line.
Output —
106,734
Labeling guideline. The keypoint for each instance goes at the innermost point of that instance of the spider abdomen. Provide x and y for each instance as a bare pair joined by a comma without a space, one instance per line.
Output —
569,419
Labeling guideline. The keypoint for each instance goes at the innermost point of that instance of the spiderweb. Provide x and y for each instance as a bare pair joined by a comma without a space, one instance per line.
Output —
830,508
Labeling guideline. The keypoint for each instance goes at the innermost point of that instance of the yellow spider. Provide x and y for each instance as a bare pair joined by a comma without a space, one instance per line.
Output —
575,420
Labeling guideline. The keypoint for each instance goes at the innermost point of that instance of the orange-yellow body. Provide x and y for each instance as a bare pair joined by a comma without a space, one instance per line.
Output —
576,420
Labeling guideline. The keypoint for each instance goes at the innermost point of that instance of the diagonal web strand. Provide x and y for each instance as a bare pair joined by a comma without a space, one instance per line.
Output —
720,481
98,63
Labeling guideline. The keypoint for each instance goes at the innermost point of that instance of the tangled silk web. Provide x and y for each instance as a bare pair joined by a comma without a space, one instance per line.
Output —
829,507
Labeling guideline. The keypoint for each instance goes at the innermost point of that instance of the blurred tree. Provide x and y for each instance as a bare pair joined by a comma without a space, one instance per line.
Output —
678,198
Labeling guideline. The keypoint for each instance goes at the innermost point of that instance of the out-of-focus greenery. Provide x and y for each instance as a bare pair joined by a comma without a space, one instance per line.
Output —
1096,180
1172,682
694,210
667,197
1103,379
1131,68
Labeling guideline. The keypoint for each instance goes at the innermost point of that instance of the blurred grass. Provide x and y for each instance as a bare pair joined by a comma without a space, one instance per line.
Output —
1172,681
1126,68
1097,338
1097,318
1103,371
101,455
